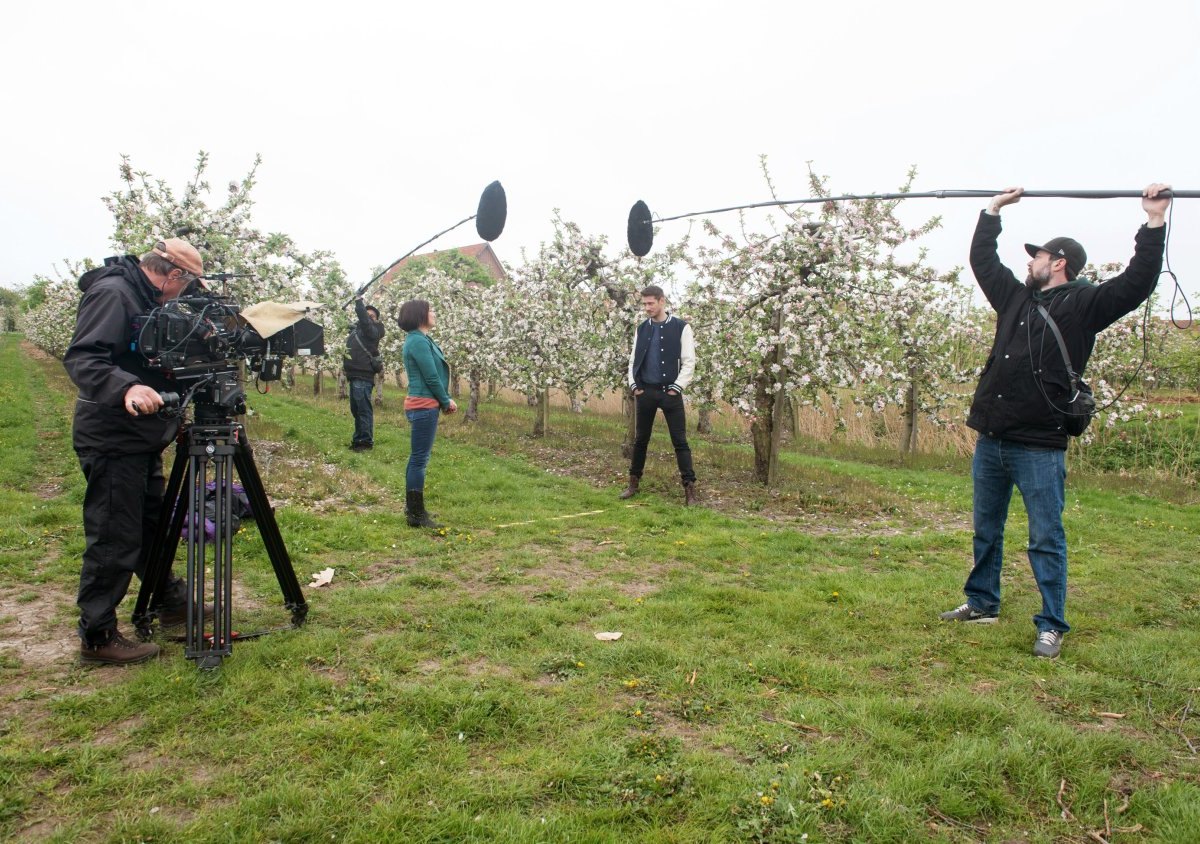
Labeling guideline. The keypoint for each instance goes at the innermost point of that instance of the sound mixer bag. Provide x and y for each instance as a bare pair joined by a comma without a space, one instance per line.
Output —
1079,409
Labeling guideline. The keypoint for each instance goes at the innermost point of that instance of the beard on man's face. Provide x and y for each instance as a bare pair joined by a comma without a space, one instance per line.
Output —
1039,280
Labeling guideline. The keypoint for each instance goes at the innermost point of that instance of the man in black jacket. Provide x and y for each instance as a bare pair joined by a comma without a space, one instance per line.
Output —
119,438
361,365
1019,405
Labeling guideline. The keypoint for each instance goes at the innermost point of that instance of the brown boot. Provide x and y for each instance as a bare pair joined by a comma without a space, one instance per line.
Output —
117,651
178,615
689,494
631,490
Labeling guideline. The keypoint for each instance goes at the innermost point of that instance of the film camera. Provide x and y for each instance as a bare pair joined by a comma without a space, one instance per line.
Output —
198,334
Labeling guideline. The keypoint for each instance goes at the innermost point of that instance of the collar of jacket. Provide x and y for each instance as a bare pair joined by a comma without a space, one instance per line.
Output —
1061,289
128,267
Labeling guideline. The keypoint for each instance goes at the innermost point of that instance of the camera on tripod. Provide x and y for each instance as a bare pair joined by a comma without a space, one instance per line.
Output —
201,334
199,341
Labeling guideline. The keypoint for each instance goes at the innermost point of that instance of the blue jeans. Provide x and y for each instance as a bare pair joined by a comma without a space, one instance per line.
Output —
363,411
424,426
1039,474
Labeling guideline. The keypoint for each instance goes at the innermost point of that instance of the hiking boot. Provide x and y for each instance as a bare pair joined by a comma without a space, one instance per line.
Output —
361,446
631,490
1048,643
178,615
970,615
117,651
414,510
689,494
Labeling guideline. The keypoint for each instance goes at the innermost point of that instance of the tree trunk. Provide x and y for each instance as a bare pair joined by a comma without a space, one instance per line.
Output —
289,380
629,411
473,401
576,404
908,442
343,386
378,379
399,376
455,385
492,387
768,416
317,383
704,420
541,421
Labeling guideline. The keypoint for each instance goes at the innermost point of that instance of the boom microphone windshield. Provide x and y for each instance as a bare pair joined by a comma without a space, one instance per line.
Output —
492,212
640,231
489,223
641,224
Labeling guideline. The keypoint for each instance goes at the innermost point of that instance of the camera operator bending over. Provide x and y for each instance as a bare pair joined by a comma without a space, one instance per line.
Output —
361,364
119,439
1023,391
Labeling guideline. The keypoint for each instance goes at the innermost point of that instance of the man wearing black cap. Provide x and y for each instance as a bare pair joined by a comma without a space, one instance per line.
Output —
1018,408
361,364
119,438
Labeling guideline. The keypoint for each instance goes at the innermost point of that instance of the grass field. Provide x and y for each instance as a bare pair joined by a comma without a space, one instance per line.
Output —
781,672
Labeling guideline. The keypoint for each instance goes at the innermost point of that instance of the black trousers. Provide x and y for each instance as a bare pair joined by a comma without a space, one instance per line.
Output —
121,509
648,405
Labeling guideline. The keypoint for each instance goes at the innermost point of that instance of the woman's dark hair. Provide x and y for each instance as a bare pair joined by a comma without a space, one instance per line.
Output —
413,314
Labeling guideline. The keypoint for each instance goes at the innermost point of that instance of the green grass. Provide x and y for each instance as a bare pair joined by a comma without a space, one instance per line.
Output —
781,670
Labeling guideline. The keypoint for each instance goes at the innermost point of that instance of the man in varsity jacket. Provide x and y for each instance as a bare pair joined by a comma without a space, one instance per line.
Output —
660,367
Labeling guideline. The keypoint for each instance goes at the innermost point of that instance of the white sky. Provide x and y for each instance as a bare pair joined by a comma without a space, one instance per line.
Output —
380,124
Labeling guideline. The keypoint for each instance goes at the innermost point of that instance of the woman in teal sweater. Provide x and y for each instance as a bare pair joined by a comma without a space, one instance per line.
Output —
428,395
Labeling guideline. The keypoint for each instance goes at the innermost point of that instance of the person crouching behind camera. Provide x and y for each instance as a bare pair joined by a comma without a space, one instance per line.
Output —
119,438
428,395
361,364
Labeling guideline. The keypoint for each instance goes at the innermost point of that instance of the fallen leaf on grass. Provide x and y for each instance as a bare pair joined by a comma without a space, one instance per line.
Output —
321,578
608,637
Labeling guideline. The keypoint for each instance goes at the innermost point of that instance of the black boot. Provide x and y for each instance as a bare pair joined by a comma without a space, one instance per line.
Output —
414,510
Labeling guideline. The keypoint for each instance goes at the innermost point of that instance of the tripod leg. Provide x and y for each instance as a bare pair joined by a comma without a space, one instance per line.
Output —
208,653
268,528
161,553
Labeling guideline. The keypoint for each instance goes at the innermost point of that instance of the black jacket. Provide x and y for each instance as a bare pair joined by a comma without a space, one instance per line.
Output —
1009,401
362,344
103,366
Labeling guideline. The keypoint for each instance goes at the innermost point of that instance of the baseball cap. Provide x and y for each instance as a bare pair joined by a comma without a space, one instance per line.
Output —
1062,247
180,253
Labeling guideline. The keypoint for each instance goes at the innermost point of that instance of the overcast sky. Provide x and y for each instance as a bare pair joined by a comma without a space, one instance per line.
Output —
380,125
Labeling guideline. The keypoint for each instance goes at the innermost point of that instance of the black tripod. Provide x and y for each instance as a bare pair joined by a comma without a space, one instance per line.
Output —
212,441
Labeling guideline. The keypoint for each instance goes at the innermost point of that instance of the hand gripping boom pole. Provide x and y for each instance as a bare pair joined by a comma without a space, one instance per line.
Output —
641,221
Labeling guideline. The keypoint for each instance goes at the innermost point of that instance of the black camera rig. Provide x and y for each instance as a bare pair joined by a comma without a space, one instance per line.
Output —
199,341
197,334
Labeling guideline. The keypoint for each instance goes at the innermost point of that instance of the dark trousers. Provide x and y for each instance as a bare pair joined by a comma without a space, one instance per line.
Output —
648,404
363,411
121,508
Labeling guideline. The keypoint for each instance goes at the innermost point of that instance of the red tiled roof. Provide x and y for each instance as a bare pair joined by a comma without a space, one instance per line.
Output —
481,252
